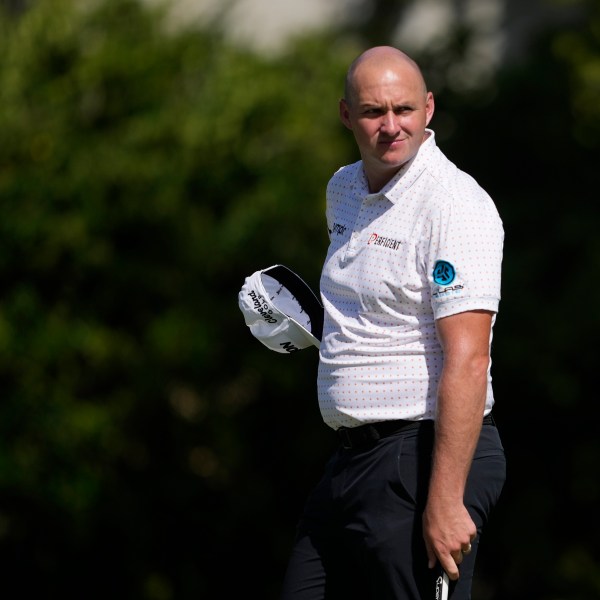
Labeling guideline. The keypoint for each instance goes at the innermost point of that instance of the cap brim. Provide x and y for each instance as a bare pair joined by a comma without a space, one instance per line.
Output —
306,299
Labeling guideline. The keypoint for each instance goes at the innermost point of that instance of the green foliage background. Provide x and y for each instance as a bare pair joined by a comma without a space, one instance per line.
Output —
149,446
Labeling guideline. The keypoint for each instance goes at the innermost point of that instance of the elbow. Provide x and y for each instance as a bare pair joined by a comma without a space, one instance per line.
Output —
473,366
480,365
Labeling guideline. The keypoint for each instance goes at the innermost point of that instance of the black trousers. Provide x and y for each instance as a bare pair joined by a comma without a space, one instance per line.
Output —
360,536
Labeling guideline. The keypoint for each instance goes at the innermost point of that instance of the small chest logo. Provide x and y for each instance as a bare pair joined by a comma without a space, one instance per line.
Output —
443,273
338,229
386,242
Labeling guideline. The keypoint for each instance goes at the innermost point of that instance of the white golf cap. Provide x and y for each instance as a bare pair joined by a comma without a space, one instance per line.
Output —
281,310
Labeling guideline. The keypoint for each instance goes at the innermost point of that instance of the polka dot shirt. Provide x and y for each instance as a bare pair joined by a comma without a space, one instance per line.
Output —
428,245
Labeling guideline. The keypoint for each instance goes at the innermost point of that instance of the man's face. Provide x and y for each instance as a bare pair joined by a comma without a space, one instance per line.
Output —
388,112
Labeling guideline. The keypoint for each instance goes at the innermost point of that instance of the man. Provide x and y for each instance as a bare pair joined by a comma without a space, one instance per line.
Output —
410,287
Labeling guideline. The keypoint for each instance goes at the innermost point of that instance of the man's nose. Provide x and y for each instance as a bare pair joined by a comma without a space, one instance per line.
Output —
389,122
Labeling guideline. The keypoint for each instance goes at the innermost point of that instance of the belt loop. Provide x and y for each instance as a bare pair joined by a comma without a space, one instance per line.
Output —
345,439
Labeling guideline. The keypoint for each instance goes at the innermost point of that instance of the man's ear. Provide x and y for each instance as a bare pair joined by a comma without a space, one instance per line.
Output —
345,114
429,108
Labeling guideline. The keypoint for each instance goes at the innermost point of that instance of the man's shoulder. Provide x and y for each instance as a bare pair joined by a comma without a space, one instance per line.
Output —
346,174
456,183
342,184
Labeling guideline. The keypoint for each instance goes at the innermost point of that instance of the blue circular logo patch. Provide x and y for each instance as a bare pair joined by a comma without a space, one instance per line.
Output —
443,273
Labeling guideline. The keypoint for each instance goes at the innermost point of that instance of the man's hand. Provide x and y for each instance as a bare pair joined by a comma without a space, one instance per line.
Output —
448,531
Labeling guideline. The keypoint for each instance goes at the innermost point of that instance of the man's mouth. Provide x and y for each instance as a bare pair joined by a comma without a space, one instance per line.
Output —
394,143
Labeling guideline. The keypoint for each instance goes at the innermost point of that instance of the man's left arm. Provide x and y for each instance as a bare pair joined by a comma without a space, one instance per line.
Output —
447,526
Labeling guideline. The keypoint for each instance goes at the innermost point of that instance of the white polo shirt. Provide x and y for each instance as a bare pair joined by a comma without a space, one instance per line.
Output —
428,245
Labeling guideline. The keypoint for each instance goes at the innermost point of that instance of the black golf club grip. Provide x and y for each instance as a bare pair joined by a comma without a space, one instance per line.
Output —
441,585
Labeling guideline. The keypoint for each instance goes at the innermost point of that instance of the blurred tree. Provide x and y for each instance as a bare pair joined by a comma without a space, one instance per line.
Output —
376,21
146,438
143,174
14,7
533,144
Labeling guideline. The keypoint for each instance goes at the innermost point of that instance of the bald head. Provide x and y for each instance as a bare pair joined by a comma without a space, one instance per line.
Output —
388,108
382,58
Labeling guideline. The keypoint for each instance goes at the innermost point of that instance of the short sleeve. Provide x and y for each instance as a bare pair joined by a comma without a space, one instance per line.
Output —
465,255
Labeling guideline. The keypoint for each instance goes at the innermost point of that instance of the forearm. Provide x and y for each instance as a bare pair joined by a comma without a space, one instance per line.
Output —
460,406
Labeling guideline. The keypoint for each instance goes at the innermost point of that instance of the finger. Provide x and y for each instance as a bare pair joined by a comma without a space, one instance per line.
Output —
431,557
452,571
450,566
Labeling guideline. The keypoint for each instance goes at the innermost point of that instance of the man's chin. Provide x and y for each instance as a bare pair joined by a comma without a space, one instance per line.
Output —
393,161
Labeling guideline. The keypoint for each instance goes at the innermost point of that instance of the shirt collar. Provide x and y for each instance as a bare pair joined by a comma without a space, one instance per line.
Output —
405,177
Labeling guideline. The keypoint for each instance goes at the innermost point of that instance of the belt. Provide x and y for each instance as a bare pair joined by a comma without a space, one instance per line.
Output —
363,435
